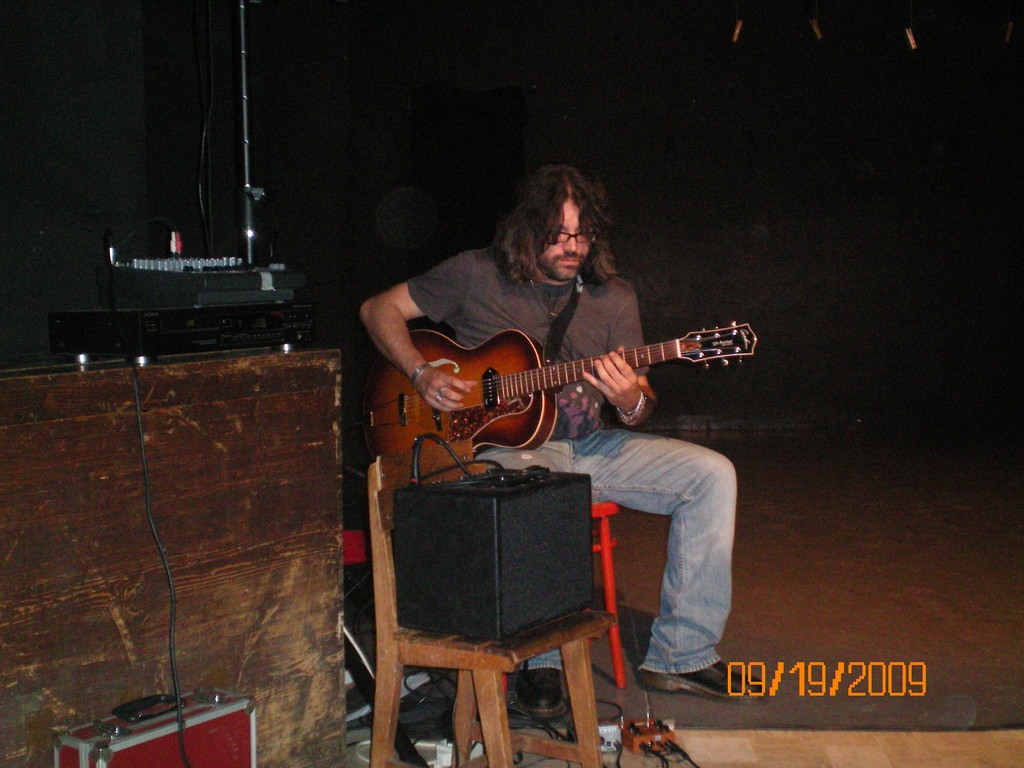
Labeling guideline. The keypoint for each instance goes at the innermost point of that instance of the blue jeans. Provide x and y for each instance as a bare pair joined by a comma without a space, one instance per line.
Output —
664,476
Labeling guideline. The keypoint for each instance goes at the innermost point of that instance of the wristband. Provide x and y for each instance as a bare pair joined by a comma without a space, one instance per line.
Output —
418,372
636,408
639,412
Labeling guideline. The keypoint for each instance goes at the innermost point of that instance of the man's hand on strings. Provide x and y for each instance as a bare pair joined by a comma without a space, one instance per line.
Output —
441,390
615,380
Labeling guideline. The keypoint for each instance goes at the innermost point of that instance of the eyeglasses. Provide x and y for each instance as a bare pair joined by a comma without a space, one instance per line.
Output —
561,238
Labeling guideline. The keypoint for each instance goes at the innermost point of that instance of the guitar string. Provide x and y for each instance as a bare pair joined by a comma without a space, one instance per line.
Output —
535,379
415,403
552,376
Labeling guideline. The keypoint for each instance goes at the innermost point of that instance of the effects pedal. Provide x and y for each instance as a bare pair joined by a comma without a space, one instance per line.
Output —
648,737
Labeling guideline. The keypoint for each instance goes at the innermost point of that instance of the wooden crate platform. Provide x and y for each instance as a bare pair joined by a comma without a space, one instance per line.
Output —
244,465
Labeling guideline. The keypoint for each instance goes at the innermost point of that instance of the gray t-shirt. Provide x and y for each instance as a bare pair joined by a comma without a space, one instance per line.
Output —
473,296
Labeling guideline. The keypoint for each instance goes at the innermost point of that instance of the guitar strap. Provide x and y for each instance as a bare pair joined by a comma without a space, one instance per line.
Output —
556,333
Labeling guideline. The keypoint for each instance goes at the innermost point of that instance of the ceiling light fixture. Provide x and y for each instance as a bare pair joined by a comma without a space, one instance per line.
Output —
814,23
909,31
739,23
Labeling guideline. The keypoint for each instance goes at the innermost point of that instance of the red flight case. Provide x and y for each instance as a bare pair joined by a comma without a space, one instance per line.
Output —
220,732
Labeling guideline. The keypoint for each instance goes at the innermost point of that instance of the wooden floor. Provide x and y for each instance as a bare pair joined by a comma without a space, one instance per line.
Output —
849,549
847,749
816,749
892,550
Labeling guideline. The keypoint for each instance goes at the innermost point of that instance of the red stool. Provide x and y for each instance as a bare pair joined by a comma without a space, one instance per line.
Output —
604,544
353,547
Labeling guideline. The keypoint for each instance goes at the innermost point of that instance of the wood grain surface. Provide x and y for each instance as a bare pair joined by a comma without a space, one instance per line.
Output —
243,453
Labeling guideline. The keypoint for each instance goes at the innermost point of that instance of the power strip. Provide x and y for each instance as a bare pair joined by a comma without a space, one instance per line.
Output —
436,754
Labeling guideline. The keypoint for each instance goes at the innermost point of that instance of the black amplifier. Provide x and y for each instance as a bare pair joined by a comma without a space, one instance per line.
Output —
493,554
155,332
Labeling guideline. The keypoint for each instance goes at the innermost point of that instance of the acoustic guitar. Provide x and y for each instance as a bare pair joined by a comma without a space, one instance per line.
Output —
512,404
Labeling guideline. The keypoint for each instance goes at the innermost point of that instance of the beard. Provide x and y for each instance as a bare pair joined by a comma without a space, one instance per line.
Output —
562,268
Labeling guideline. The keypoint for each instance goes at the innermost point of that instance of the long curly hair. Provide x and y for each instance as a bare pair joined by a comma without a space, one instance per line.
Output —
524,234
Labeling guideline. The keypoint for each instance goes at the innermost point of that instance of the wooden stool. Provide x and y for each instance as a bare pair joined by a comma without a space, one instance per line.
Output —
604,544
480,711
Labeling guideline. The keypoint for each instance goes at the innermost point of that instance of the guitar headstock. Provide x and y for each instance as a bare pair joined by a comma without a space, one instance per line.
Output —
718,344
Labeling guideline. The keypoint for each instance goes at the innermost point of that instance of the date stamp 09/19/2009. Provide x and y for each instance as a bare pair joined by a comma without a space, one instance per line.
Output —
816,678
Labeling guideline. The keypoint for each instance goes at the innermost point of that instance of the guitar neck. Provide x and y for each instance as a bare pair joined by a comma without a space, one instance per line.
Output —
555,376
504,411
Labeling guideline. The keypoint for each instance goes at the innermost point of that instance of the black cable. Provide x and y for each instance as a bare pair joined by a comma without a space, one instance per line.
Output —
418,446
358,583
357,622
570,733
450,467
613,705
427,689
673,746
204,75
521,720
147,489
148,498
648,750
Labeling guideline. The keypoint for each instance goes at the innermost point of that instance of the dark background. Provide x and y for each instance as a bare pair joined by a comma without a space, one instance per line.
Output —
857,202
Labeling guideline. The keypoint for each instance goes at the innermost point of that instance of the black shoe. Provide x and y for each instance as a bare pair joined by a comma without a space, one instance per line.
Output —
714,682
539,692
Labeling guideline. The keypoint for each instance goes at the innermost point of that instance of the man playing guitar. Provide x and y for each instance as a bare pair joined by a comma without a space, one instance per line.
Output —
551,263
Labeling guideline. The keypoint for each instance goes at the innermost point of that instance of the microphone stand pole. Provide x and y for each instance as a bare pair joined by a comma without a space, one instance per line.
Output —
250,194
